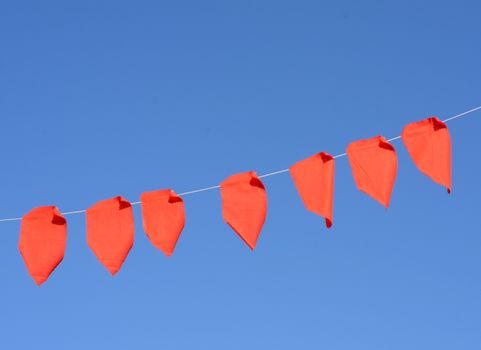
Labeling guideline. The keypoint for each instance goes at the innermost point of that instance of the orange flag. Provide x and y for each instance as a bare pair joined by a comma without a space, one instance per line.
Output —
110,231
429,146
43,237
374,166
314,180
244,205
163,217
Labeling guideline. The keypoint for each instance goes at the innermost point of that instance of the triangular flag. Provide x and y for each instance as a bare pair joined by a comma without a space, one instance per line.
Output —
163,218
314,180
110,231
244,205
43,237
429,145
374,167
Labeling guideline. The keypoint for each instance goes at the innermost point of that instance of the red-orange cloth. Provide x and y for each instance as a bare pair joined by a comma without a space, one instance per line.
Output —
43,237
163,218
110,231
374,167
244,205
429,145
314,180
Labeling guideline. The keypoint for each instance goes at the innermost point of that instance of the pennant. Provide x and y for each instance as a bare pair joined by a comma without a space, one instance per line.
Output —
429,145
43,237
110,231
314,180
374,166
244,205
163,218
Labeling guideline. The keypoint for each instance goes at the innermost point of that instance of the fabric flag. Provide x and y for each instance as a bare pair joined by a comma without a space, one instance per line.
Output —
374,167
43,237
429,145
163,218
314,180
110,231
244,205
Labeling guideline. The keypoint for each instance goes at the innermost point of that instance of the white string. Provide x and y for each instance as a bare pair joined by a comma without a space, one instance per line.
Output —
260,176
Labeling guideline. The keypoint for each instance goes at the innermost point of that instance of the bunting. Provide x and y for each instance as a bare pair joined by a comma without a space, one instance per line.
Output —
110,222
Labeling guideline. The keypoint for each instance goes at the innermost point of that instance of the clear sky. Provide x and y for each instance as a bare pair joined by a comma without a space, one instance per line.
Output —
106,98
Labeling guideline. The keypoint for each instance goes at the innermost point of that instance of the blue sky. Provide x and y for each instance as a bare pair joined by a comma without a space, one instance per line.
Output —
106,98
